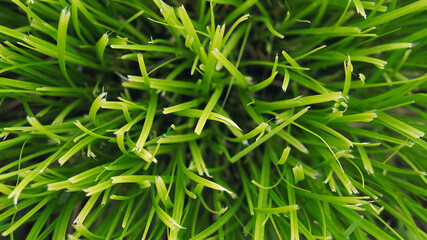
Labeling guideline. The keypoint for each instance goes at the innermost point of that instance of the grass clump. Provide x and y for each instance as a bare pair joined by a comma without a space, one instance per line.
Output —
213,119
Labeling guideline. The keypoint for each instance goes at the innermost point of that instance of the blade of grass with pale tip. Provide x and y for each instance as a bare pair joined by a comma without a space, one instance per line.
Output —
208,109
359,117
89,132
100,47
298,172
37,125
258,130
212,116
359,8
392,15
143,69
182,106
212,61
151,111
127,213
290,60
162,192
399,126
298,101
286,80
230,67
270,27
164,217
236,23
284,156
203,181
198,159
331,131
61,42
189,28
348,70
267,136
76,148
96,105
86,209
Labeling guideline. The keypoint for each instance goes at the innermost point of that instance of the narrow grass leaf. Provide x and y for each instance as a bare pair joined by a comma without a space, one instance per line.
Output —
24,218
278,210
162,192
100,47
230,67
284,156
61,45
164,217
204,182
399,126
286,80
152,105
208,109
267,136
359,8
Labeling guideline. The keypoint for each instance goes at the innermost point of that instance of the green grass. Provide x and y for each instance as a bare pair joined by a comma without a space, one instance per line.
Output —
222,119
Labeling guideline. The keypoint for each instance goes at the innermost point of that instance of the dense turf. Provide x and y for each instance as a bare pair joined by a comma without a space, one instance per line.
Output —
224,119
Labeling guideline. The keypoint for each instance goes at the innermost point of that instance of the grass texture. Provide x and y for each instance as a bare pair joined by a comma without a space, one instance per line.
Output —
222,119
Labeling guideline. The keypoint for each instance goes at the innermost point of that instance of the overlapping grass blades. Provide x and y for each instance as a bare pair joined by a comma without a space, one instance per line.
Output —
222,119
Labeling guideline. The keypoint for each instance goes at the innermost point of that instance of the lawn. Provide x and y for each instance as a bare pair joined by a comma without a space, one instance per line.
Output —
221,119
